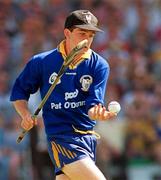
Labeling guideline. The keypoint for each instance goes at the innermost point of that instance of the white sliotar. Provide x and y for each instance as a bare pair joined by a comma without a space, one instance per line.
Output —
114,107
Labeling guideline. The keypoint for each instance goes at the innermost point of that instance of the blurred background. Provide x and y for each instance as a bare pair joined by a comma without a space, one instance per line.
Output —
130,147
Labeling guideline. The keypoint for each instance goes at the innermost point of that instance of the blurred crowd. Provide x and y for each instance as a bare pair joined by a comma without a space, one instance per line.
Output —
131,43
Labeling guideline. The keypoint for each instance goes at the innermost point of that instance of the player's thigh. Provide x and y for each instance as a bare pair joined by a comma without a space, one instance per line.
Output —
62,177
83,169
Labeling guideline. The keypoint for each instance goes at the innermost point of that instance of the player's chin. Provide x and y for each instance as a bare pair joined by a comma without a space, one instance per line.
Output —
85,49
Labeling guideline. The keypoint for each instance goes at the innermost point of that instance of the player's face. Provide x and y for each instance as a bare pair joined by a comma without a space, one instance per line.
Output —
77,35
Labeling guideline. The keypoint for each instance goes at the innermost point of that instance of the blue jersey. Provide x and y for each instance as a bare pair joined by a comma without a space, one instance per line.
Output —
79,89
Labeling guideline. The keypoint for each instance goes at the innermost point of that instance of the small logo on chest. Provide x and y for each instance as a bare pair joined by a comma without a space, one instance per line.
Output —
86,81
53,77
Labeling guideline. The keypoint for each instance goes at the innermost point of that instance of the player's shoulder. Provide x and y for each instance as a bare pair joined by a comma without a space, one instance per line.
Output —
100,60
45,54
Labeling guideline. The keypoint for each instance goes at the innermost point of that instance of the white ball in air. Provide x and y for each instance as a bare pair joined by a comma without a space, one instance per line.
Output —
114,107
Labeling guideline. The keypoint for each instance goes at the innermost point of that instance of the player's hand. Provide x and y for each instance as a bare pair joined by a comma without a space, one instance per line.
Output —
98,112
28,122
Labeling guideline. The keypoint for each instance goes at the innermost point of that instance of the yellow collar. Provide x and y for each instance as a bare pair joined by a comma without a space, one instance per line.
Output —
86,55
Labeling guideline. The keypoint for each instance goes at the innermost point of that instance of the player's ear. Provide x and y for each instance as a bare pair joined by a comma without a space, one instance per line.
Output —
67,33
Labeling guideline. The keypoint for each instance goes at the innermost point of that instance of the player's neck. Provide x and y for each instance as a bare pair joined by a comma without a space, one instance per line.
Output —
67,47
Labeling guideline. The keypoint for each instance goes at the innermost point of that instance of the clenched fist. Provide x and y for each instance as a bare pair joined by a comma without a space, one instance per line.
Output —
28,122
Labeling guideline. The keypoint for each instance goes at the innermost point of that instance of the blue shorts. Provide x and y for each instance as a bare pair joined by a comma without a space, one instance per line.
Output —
65,149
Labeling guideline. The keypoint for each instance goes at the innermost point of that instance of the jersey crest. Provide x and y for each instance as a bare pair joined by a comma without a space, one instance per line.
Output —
53,77
86,81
